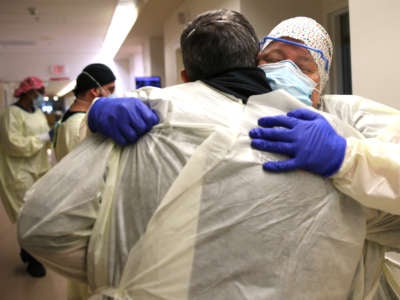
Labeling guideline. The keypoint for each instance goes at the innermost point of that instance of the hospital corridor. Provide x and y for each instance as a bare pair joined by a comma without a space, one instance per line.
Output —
199,150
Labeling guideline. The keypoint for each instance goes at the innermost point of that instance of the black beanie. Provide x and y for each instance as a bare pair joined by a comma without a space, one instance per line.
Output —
92,73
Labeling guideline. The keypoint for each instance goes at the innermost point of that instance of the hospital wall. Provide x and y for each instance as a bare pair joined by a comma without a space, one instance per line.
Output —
264,15
375,41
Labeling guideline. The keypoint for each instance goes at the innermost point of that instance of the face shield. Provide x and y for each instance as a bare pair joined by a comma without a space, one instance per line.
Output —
319,52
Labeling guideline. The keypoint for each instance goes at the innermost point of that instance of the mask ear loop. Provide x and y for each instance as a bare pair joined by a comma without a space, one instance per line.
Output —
94,80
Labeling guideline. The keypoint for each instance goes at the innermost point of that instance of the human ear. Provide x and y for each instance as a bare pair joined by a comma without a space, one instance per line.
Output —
184,76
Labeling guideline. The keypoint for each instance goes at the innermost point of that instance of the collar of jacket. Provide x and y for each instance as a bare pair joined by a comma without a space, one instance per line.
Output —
241,83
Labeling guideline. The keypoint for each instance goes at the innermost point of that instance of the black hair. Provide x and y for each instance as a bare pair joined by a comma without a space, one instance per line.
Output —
218,41
92,76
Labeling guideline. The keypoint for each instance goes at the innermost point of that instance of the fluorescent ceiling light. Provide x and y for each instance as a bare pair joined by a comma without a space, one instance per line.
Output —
124,17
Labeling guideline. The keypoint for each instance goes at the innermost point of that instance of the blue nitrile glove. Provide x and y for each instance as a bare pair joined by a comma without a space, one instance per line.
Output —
124,120
306,137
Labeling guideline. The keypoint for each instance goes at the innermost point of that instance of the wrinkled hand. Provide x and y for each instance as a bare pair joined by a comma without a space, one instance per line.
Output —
306,137
124,120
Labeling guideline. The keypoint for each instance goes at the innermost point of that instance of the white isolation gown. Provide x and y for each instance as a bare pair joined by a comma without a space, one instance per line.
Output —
23,156
188,212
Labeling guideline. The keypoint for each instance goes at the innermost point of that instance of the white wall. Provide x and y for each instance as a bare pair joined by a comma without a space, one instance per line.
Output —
17,66
136,66
157,58
374,30
264,15
121,69
141,57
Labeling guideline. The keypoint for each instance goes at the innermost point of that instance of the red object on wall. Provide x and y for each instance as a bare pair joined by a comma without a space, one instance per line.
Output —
57,69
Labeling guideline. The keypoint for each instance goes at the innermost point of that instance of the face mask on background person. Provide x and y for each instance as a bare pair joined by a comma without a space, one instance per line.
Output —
112,95
105,92
287,75
38,100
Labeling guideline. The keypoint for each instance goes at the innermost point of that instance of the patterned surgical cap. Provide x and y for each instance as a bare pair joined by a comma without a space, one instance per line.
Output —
313,35
29,83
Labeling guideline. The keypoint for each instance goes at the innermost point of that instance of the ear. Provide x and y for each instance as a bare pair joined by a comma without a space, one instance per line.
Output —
184,76
94,92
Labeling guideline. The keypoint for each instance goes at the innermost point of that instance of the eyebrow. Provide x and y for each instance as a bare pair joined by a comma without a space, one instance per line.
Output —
275,51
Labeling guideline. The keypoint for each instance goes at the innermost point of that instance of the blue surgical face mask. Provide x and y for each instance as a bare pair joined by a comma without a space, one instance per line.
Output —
38,101
287,75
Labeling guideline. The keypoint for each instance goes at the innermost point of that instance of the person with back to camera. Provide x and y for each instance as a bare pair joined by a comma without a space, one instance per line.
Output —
187,213
24,137
296,57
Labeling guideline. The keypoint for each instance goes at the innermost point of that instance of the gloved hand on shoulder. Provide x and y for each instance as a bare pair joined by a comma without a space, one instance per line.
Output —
124,120
306,137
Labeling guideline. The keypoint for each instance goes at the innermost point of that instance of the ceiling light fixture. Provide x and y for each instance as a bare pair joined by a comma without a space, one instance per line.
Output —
124,17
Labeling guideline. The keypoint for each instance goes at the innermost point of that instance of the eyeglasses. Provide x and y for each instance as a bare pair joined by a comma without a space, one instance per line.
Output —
320,52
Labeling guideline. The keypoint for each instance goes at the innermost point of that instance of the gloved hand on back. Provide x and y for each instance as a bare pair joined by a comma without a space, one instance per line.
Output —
124,120
306,137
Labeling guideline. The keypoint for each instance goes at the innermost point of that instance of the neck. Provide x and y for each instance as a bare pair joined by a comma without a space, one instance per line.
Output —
81,104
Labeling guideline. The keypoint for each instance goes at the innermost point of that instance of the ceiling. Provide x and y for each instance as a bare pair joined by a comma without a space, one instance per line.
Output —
72,26
54,25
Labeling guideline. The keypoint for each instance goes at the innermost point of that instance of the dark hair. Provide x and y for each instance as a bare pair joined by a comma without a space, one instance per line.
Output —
217,41
93,76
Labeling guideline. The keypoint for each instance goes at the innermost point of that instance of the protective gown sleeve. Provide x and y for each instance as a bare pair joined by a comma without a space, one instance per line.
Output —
367,116
56,222
12,139
370,172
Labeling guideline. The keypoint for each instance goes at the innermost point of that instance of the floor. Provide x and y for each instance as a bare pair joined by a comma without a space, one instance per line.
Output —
15,283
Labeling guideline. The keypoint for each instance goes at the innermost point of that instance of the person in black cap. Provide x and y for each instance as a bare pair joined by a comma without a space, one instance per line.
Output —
95,80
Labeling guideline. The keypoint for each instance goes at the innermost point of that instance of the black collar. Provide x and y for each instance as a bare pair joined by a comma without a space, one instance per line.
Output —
241,83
